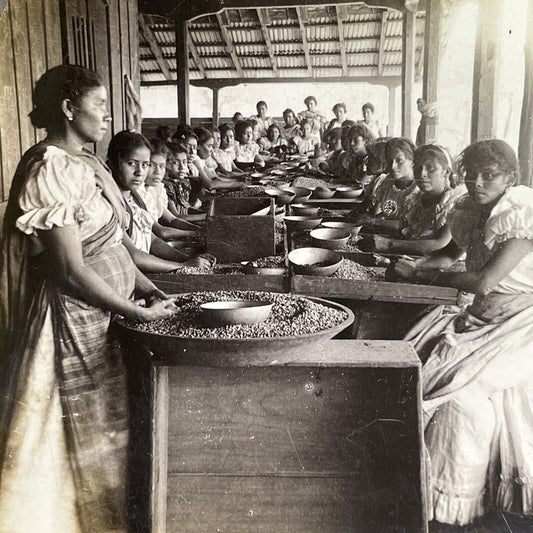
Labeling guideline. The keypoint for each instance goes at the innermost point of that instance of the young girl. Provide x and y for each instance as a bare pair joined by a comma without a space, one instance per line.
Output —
423,226
291,128
307,142
317,120
273,140
129,159
263,122
390,194
225,154
246,149
352,160
478,370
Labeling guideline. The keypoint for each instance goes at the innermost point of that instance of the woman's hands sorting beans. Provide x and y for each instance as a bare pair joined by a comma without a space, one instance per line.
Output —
156,309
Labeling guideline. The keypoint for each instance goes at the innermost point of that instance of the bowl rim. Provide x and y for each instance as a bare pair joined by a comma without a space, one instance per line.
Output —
346,235
335,255
242,304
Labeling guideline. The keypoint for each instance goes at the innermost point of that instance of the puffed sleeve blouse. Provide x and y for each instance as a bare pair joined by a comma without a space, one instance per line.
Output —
61,190
510,218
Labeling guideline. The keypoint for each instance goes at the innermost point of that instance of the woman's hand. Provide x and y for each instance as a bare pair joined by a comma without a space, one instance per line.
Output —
201,261
404,269
156,309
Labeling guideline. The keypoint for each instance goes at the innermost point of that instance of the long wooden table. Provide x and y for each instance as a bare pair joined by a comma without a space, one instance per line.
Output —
330,441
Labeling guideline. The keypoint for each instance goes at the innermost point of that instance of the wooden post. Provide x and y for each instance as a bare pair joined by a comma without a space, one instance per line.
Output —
215,106
182,64
525,143
485,71
432,37
408,71
391,129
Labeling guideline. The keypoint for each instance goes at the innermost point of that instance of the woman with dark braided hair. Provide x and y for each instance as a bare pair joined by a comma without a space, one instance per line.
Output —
478,364
65,269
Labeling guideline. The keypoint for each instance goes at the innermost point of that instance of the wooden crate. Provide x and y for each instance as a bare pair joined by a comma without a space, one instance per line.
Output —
233,235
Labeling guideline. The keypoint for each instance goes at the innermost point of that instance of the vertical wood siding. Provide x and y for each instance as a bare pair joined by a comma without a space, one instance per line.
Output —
39,34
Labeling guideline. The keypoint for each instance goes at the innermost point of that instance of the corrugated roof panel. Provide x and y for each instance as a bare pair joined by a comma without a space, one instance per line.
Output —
291,61
362,60
326,60
252,50
255,62
327,72
324,47
393,28
217,63
392,58
215,51
392,70
393,44
206,37
287,49
252,35
361,30
361,45
285,34
164,36
150,64
322,33
153,76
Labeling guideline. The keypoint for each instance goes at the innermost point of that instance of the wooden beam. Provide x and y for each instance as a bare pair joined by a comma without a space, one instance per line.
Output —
226,37
182,64
381,55
264,20
408,71
300,13
525,143
432,52
216,111
391,129
485,71
195,55
154,47
341,17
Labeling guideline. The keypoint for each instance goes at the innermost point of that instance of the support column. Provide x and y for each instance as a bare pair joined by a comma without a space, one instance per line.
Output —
408,71
215,107
182,64
485,71
432,39
525,143
391,129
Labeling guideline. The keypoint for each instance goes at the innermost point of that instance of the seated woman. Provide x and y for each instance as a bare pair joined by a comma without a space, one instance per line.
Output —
129,159
339,110
393,193
307,142
225,155
317,120
478,370
263,121
291,128
246,149
273,142
423,227
65,269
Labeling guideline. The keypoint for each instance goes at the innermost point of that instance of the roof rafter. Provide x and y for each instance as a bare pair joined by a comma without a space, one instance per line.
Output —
300,11
264,20
229,44
154,47
195,55
381,55
342,15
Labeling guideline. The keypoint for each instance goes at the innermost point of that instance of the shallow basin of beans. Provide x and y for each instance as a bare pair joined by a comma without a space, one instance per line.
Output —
352,270
290,316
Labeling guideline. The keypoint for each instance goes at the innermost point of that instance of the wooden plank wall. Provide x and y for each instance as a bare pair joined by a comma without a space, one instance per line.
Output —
33,36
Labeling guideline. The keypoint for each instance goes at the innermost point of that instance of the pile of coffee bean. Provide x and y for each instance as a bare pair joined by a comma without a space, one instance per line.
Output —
272,261
291,316
352,270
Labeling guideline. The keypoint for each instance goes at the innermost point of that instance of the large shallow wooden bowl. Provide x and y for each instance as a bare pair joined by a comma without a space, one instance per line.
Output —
295,223
314,261
354,229
234,352
330,238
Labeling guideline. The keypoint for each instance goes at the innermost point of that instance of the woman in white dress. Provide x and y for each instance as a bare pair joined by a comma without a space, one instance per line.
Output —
478,364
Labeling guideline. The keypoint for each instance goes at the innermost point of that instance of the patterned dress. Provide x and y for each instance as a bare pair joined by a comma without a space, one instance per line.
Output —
478,375
389,200
64,409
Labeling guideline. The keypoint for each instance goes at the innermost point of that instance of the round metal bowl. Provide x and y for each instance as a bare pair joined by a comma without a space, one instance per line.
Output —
314,261
305,210
281,197
332,239
323,193
301,222
348,192
347,226
226,313
235,352
301,194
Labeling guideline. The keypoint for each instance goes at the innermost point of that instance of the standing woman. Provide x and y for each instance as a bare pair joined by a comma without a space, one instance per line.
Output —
64,270
478,364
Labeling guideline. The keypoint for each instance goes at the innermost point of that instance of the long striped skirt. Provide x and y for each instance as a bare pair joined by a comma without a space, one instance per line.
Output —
65,413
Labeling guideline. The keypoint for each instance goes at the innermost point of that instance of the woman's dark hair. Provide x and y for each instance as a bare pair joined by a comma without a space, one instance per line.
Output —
121,146
241,127
338,106
175,148
159,147
182,132
223,128
64,82
370,106
441,155
490,152
237,116
310,99
261,102
377,158
203,135
286,114
163,132
270,131
360,129
400,143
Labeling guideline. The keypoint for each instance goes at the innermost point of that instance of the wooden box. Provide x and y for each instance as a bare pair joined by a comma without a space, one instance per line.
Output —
233,235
